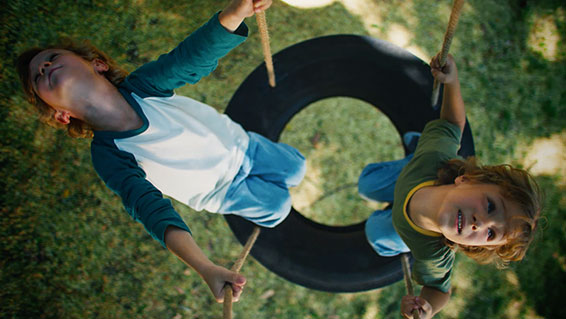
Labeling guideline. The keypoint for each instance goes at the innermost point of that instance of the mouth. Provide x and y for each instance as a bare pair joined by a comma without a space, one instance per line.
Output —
460,221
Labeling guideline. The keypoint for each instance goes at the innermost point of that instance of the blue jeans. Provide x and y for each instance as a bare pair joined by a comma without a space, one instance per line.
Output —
377,182
260,190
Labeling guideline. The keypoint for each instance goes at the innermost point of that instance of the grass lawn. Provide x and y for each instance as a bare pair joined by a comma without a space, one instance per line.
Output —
69,250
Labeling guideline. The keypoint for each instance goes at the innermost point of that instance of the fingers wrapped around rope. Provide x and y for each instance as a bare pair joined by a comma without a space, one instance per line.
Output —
454,16
228,292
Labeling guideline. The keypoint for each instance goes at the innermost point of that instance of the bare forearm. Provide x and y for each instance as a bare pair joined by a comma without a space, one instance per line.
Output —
436,298
182,244
453,109
452,103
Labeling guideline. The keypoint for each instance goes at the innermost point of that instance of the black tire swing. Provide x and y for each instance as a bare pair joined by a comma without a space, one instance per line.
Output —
313,255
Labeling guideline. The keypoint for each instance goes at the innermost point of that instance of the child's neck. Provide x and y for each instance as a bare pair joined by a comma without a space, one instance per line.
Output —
111,112
425,204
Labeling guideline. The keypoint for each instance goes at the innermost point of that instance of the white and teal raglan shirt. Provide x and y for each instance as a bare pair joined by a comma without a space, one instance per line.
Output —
185,149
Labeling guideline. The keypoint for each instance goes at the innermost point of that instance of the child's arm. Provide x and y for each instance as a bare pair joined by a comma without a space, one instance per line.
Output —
429,303
452,109
198,54
145,203
182,244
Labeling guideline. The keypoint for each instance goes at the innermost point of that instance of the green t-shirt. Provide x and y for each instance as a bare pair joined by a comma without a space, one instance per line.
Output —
438,143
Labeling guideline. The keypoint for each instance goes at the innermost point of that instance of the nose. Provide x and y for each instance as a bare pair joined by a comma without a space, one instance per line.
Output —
476,223
43,66
480,222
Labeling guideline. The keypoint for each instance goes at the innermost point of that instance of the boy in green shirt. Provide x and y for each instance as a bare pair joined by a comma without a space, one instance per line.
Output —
442,202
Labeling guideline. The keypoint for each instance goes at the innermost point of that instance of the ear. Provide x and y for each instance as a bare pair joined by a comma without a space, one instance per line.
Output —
63,117
100,66
460,179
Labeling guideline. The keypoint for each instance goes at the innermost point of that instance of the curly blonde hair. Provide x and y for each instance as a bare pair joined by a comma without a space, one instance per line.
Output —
87,51
516,185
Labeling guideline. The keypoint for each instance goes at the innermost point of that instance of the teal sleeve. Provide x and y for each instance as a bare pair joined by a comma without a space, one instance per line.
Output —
195,57
145,203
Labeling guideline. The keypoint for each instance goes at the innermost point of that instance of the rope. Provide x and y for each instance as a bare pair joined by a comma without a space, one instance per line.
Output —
454,16
262,25
408,282
227,310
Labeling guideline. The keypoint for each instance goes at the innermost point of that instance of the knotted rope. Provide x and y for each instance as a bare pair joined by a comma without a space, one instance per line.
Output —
454,16
227,310
262,25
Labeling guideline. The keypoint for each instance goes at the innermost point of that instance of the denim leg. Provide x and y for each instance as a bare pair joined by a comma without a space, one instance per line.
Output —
260,191
278,163
259,201
377,180
382,236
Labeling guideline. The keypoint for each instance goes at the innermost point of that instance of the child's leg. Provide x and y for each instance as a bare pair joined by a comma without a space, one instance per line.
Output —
382,236
263,203
377,180
260,192
278,163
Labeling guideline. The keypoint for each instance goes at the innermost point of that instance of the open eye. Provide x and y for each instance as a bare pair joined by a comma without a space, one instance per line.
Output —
490,234
490,206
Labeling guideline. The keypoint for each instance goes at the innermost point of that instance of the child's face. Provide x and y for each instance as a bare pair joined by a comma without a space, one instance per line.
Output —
475,214
61,79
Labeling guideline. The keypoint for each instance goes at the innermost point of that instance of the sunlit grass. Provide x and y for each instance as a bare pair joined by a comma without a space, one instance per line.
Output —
544,34
547,156
69,250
